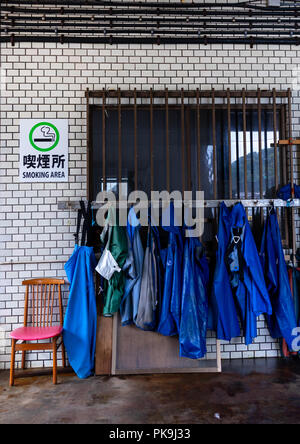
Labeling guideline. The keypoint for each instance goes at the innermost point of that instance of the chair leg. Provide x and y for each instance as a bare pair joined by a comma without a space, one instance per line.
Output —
12,363
54,361
63,353
23,359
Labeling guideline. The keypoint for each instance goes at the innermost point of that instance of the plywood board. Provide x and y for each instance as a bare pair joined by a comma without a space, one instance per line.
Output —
136,351
103,359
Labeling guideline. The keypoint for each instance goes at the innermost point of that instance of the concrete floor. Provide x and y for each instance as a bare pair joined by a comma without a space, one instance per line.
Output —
250,391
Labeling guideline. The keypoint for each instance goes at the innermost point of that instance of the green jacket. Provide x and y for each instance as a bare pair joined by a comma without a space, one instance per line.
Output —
114,288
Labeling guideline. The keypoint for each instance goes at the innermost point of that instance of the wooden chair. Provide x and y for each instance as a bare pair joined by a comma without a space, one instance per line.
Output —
39,306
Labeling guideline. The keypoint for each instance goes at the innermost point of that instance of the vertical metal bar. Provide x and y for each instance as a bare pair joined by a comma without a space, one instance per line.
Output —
103,140
198,141
275,138
167,140
260,144
266,149
229,143
283,157
283,136
214,151
251,154
214,141
245,142
188,149
182,142
119,139
260,160
252,210
151,140
237,150
87,143
135,144
290,138
292,175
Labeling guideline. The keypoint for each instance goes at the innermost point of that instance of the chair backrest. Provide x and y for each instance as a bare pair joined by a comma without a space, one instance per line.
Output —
41,296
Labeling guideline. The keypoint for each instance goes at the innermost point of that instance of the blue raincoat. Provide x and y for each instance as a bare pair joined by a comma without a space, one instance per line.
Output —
169,321
283,319
80,322
223,304
194,304
296,292
246,296
132,268
285,192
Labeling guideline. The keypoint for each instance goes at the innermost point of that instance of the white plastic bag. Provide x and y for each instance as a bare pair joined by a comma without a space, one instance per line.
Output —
107,265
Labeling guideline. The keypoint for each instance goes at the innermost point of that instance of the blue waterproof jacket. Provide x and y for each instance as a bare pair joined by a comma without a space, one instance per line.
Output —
194,303
225,314
246,296
283,319
80,322
296,292
169,320
285,192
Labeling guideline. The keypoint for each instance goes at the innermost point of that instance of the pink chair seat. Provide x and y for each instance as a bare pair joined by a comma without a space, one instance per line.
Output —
36,333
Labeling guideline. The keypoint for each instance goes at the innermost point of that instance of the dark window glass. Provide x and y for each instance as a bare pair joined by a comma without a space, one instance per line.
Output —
189,164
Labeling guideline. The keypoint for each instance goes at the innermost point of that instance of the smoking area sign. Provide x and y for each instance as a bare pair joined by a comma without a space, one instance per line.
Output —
44,148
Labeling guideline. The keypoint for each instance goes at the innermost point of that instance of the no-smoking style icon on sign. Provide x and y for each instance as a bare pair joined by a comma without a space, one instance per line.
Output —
44,136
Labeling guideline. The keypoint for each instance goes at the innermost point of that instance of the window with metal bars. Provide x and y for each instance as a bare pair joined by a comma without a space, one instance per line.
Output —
181,141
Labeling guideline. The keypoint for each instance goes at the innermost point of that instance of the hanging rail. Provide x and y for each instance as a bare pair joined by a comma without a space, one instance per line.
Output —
34,261
247,203
176,94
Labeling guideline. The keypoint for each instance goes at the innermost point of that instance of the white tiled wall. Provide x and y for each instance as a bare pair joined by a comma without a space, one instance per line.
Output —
39,80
